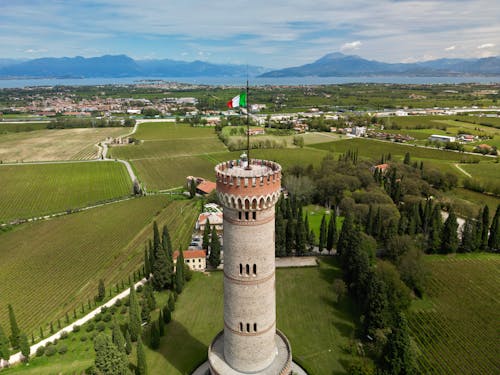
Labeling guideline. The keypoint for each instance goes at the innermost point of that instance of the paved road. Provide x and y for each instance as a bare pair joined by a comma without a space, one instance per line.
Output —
16,358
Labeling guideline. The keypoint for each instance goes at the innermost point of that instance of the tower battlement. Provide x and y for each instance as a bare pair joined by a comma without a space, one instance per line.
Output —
248,189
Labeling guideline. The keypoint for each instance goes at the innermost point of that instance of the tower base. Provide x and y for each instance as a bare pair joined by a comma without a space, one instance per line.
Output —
282,364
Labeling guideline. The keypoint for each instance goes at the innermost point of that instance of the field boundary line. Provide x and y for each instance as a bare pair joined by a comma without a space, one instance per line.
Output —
463,170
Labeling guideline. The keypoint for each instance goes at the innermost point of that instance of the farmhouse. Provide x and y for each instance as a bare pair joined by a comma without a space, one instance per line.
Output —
195,259
256,131
381,167
214,218
441,138
203,187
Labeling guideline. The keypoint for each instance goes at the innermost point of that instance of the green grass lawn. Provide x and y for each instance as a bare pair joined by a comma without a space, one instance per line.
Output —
315,215
106,242
483,171
168,131
34,190
6,127
455,330
467,203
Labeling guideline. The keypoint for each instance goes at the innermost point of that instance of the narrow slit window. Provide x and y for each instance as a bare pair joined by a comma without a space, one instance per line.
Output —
246,215
254,215
241,269
247,269
248,327
254,269
241,327
239,215
255,327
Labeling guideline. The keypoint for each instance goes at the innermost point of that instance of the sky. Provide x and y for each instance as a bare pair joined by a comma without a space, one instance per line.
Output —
269,33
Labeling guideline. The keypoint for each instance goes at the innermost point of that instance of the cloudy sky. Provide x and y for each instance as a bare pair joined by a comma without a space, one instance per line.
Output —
270,33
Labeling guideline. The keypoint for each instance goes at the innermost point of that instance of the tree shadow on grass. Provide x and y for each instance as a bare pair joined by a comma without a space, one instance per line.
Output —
181,349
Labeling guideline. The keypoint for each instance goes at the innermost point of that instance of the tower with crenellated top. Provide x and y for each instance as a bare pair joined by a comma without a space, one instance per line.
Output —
250,342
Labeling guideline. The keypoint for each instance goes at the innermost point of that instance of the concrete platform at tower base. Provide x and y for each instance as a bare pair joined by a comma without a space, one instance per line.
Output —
216,365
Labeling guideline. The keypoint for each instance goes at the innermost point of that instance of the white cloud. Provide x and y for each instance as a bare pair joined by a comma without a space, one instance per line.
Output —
486,45
450,48
351,46
32,50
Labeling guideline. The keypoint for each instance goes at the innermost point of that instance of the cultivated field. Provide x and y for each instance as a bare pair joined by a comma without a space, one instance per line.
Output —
57,263
318,328
483,171
167,131
56,144
12,127
455,327
33,190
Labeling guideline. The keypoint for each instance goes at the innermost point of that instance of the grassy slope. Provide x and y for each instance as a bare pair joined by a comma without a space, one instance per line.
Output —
318,328
105,242
57,144
454,329
31,190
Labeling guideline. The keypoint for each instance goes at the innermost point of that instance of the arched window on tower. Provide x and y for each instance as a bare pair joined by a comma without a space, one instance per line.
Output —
247,269
239,215
248,327
254,215
246,215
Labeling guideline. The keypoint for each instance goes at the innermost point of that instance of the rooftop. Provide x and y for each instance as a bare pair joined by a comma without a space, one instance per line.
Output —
258,168
191,254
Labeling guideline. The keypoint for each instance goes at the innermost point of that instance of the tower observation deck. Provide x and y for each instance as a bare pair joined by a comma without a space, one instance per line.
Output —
249,343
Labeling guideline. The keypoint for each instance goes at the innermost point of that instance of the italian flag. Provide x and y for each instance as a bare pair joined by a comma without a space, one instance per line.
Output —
238,101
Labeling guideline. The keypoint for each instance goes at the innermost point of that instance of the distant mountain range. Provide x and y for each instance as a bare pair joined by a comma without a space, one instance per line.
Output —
112,66
331,65
337,65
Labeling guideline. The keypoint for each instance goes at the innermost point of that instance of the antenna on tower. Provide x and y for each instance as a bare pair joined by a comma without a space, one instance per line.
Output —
248,128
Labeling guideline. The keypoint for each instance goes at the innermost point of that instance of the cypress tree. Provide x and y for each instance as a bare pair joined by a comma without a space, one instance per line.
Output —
346,234
171,302
101,290
41,332
145,312
166,242
117,337
494,239
156,237
14,328
449,238
66,318
322,234
214,257
141,368
478,230
152,259
161,276
397,357
376,305
435,228
167,315
306,223
377,224
108,359
206,235
300,236
161,324
4,345
58,323
155,336
485,223
147,264
74,313
331,236
149,296
128,342
24,345
179,272
407,159
290,236
369,220
134,324
280,248
51,328
468,236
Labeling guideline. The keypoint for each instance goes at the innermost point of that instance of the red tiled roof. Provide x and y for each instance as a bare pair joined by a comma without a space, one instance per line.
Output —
206,186
190,254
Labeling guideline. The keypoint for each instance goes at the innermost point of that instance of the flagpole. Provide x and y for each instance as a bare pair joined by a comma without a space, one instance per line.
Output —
248,131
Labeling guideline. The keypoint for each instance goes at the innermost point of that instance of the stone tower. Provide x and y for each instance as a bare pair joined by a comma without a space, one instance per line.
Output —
249,343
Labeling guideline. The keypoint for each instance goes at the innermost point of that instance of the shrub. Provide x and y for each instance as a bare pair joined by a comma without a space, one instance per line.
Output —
112,310
62,349
98,317
83,338
76,328
90,327
104,309
118,302
101,326
139,289
123,310
107,317
40,351
50,350
64,335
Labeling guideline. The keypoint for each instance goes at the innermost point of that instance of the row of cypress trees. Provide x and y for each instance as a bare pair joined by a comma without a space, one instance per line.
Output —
16,340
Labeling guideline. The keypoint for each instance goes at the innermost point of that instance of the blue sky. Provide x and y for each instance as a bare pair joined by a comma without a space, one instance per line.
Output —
271,33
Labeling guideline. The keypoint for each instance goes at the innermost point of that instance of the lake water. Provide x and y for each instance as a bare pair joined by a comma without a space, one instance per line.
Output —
239,81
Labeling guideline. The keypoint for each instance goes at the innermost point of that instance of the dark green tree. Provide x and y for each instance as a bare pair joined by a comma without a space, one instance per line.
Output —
179,273
206,235
290,236
142,366
376,305
322,234
145,312
346,233
331,236
155,336
171,302
156,237
397,357
167,315
24,345
449,238
300,236
162,276
485,226
435,229
4,345
280,248
166,242
147,264
369,219
117,337
214,257
161,324
467,243
192,188
14,329
377,224
101,290
128,342
108,359
134,324
149,296
407,159
494,239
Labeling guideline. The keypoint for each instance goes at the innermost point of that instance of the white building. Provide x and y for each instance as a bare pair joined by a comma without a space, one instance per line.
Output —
195,259
441,138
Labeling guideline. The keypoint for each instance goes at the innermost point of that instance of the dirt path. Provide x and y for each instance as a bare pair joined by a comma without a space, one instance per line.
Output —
17,357
462,170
